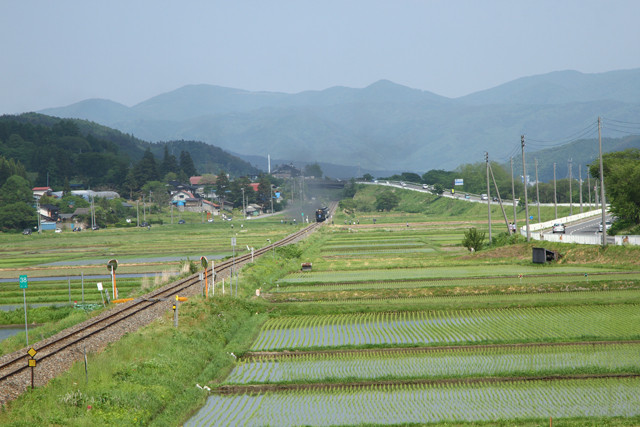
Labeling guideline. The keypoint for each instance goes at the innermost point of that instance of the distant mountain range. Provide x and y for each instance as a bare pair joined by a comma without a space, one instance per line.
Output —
384,126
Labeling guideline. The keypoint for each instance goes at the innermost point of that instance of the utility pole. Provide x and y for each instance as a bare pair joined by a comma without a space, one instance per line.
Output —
526,199
555,195
138,213
244,211
513,196
504,214
570,192
38,215
537,190
580,182
589,187
271,196
486,159
602,199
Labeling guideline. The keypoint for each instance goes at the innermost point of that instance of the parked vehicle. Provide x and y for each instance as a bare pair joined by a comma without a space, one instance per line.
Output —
425,186
484,197
182,221
58,230
558,228
26,231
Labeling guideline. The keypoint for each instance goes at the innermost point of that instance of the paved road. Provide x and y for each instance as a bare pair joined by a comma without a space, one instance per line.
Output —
586,227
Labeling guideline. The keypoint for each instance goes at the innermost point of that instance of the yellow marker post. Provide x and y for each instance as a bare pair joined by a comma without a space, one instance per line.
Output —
32,363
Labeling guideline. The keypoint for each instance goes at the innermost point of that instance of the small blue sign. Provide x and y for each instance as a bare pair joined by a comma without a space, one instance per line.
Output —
531,217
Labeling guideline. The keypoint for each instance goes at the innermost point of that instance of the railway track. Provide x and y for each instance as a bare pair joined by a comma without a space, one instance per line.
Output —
57,353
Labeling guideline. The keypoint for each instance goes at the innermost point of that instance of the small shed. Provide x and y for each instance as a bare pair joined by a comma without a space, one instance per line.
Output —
306,266
542,255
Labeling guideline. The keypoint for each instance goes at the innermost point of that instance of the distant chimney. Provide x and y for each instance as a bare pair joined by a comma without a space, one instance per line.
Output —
269,163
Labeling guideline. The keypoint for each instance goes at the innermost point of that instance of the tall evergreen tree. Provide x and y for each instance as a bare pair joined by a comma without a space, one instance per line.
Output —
222,185
146,169
264,191
186,164
169,163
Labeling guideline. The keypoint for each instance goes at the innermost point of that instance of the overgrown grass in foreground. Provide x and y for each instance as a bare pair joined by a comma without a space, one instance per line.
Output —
149,377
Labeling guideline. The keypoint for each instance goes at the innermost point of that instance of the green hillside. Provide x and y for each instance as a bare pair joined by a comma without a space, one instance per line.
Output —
56,151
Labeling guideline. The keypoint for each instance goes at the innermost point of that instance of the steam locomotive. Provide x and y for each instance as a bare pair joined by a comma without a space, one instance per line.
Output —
321,214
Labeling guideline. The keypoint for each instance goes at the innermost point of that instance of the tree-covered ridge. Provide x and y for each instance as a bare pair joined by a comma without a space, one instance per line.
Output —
54,151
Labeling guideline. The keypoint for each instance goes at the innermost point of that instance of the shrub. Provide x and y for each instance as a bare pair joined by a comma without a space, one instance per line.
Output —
473,239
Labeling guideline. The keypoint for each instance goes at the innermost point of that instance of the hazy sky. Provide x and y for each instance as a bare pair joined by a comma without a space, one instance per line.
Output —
55,53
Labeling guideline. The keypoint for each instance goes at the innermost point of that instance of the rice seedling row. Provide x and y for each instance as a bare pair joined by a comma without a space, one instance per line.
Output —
451,327
433,273
625,296
471,281
424,403
377,252
474,361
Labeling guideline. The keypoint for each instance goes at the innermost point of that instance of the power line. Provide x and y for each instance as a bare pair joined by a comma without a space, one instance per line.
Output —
592,126
620,121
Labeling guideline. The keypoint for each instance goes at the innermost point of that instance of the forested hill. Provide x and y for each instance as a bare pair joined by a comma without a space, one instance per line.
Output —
83,152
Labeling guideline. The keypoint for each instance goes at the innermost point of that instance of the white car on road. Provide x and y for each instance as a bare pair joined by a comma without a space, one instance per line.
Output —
608,223
558,228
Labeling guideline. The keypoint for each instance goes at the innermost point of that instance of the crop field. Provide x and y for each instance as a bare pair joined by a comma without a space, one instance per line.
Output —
475,361
325,277
63,290
392,301
396,325
450,327
427,403
470,282
192,239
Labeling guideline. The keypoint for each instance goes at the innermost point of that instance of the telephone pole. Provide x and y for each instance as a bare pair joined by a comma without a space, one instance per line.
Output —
580,182
555,196
570,192
513,195
589,187
486,159
602,200
526,199
537,190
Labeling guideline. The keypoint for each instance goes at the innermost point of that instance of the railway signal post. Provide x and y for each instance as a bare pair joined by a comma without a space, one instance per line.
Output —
112,265
32,363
